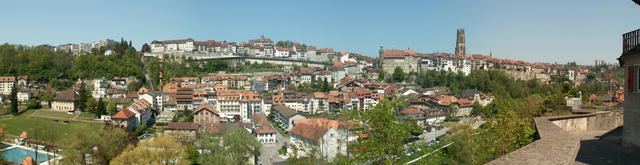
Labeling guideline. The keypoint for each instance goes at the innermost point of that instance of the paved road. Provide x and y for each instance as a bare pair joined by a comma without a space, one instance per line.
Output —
433,134
269,152
146,75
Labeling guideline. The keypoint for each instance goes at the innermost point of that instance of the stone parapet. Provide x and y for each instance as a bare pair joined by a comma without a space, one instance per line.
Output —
556,145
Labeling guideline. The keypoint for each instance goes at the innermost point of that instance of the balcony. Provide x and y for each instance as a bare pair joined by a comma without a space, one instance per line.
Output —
631,41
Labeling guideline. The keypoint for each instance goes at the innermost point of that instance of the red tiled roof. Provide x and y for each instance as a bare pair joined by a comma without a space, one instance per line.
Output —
67,95
28,161
24,135
322,95
394,53
411,110
170,88
206,107
308,131
132,95
143,89
264,126
7,79
465,103
123,114
320,122
288,112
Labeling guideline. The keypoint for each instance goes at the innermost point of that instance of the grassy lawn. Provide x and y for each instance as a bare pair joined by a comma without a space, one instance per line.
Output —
451,124
53,114
86,116
16,125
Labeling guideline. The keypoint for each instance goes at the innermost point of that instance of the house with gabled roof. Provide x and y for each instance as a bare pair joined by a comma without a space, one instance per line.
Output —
263,130
415,113
181,130
125,118
330,136
206,113
66,100
285,116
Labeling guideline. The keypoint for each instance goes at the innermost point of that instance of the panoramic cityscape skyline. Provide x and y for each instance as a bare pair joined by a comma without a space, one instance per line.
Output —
531,31
320,82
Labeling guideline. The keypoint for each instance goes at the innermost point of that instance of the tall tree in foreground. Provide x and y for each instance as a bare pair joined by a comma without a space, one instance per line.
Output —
80,143
509,128
14,99
234,147
162,149
113,141
94,147
84,96
382,126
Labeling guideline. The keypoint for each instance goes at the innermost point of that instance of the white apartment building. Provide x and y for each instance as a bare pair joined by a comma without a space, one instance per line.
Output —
6,84
23,95
185,45
100,88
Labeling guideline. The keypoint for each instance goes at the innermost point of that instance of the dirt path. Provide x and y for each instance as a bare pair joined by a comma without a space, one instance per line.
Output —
34,112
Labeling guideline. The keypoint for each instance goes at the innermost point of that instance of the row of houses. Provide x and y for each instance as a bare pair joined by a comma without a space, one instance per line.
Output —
261,47
141,112
410,61
83,47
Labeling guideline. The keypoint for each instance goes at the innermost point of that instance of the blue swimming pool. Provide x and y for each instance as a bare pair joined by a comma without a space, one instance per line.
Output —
17,155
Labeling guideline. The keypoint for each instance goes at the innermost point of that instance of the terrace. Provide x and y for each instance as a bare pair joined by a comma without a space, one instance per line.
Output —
592,138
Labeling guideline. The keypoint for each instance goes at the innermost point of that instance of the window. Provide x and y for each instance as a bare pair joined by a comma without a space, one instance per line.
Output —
633,76
636,76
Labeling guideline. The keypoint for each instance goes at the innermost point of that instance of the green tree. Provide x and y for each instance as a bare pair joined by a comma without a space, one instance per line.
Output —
162,149
114,140
415,129
452,110
112,109
84,97
383,128
234,147
80,143
508,129
101,109
591,76
91,105
33,104
461,151
477,108
398,75
140,130
194,155
14,99
380,75
188,115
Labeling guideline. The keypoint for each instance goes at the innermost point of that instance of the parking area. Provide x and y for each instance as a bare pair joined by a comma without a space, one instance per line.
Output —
269,152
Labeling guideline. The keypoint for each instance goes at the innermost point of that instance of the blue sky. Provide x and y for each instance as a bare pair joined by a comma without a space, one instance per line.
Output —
535,31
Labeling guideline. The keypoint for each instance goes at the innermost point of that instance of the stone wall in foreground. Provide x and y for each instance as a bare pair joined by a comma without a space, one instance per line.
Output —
556,145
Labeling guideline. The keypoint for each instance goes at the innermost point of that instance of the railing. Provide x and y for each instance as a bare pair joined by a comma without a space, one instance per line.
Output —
630,41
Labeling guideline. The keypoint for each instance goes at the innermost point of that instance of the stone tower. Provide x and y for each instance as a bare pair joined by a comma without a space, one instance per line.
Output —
460,48
380,57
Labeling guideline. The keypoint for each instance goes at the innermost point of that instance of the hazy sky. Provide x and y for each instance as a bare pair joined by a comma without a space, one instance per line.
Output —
536,31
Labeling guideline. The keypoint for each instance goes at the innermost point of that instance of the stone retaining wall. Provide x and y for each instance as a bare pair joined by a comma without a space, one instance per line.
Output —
556,145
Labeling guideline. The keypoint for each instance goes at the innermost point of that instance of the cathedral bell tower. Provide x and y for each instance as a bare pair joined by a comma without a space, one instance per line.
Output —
460,48
380,57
